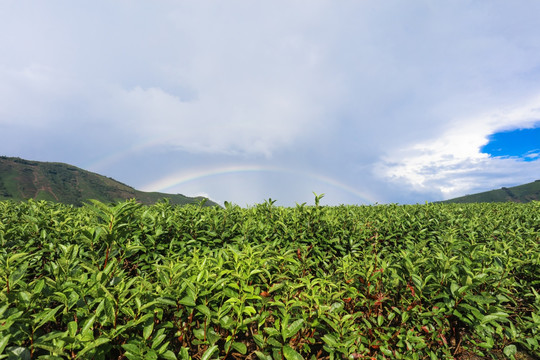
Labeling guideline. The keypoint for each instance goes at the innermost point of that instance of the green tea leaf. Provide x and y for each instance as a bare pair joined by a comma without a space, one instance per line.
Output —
204,310
212,336
3,342
72,328
293,328
165,301
92,345
259,340
19,353
184,354
386,351
157,340
187,301
110,309
510,350
132,348
240,347
454,288
147,330
262,356
38,287
330,340
209,352
291,354
271,331
169,355
87,327
46,316
500,316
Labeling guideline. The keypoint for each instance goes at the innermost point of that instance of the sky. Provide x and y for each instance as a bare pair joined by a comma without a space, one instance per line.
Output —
242,101
520,143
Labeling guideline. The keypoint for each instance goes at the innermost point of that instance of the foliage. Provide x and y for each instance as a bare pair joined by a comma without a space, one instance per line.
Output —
434,281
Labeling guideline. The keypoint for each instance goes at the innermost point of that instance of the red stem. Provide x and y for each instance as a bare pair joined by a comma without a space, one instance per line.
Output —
106,258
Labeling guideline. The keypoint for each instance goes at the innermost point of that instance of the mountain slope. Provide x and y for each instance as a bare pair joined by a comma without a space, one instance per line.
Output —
24,179
521,193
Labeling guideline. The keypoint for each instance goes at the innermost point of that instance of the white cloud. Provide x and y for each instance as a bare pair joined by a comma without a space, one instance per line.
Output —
453,164
362,92
201,78
236,121
532,155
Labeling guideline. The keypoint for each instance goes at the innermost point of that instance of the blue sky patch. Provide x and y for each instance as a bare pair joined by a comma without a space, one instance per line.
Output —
521,143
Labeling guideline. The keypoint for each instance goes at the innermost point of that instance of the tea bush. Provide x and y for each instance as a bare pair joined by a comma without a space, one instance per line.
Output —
126,281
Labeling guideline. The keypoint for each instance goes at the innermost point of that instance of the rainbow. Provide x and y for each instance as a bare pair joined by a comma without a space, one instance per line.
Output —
115,157
182,177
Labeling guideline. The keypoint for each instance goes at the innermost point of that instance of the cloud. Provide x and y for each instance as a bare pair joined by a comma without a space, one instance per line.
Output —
215,82
256,83
453,164
532,155
242,120
390,98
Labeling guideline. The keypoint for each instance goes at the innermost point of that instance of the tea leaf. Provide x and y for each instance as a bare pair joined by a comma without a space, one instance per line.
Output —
240,347
188,301
3,342
291,354
209,352
510,350
293,329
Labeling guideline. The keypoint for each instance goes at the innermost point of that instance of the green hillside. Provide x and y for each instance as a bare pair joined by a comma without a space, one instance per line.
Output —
521,194
24,179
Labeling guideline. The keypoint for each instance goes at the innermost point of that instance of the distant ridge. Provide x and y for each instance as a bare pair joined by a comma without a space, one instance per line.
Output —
521,193
22,179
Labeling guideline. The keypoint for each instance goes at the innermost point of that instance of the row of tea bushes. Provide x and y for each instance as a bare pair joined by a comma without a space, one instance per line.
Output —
360,282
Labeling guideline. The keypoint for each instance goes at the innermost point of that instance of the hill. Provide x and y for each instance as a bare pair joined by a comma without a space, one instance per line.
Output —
24,179
521,194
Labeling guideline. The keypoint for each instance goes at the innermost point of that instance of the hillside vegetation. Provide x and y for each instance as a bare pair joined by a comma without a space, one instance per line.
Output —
24,179
126,281
521,194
